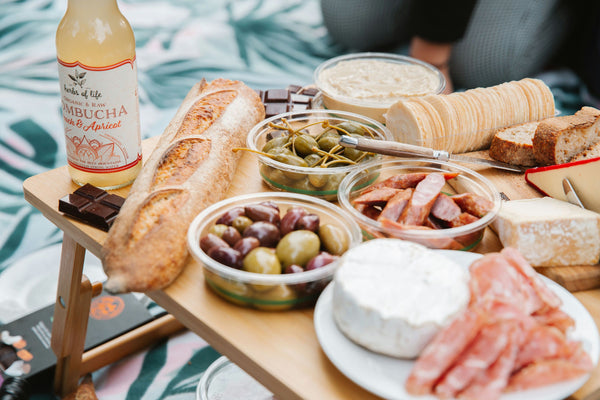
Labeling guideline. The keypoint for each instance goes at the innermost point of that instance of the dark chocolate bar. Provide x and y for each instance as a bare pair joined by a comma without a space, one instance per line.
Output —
293,98
92,205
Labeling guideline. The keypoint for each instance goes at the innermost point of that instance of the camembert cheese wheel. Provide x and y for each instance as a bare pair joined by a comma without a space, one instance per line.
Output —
392,296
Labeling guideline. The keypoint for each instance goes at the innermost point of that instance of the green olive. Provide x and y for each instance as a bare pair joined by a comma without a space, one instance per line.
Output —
329,140
333,238
275,142
262,260
298,247
292,160
312,159
276,176
302,185
218,229
282,297
280,151
333,182
328,143
351,153
304,144
318,180
353,128
240,223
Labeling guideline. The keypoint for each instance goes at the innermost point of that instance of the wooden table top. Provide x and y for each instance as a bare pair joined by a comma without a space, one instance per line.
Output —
280,349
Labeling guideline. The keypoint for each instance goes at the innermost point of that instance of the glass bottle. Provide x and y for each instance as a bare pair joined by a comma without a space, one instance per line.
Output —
95,48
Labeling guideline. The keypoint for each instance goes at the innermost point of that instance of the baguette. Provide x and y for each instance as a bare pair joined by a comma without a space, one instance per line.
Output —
559,139
190,168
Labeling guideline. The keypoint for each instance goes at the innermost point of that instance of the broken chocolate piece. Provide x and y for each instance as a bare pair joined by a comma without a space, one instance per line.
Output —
293,98
92,205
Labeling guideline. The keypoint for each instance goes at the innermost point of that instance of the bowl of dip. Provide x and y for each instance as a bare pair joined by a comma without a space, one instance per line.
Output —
369,83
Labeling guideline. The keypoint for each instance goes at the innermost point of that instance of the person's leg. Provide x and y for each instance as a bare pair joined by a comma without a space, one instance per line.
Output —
366,24
508,40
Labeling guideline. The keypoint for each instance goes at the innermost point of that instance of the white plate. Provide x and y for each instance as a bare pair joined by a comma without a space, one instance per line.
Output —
385,376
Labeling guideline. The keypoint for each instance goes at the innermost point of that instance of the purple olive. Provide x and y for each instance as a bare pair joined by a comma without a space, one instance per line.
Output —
247,244
293,269
211,240
231,236
320,260
310,222
267,233
270,203
290,219
229,215
262,212
227,256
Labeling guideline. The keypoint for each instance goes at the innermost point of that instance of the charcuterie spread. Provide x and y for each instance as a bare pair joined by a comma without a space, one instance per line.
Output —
512,336
470,333
190,168
475,334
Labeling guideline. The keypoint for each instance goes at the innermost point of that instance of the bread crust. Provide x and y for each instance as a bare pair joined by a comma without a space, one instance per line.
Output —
546,141
190,168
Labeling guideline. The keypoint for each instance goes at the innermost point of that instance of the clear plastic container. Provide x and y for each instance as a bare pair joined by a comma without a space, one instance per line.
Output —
314,181
467,236
272,292
223,380
381,94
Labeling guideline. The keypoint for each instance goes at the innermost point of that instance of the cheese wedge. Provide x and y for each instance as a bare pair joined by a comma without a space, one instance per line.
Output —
584,175
549,232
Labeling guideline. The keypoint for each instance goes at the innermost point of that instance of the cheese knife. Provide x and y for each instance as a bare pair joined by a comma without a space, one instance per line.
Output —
570,193
398,149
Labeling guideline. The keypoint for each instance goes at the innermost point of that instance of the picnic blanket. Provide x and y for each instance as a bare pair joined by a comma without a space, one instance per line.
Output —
266,44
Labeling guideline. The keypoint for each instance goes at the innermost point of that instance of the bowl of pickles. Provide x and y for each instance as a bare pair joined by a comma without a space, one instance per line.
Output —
299,151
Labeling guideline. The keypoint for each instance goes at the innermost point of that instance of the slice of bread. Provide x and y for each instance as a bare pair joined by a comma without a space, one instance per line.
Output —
591,152
557,140
514,144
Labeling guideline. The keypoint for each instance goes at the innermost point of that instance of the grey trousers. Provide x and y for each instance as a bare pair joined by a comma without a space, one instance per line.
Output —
505,39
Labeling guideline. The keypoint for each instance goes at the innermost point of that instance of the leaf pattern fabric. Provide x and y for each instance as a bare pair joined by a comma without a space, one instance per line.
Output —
265,43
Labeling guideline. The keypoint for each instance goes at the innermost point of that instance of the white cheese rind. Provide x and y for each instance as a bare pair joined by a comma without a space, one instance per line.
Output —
550,232
392,296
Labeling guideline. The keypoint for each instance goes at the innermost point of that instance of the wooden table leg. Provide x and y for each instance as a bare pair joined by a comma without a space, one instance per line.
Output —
69,326
71,310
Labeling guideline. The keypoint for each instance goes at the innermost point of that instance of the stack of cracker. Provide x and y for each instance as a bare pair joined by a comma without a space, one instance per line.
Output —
467,121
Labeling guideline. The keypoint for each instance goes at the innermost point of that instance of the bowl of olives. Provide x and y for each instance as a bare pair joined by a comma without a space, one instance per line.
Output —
299,151
271,250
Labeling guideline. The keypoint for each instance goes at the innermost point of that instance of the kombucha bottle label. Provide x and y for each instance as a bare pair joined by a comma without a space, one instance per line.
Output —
100,113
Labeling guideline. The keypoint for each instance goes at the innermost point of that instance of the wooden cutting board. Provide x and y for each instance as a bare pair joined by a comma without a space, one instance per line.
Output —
513,185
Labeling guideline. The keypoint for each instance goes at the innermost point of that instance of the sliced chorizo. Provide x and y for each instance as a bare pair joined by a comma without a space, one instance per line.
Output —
395,205
473,203
424,195
445,208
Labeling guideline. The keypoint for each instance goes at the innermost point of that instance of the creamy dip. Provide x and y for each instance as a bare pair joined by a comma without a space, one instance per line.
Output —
378,81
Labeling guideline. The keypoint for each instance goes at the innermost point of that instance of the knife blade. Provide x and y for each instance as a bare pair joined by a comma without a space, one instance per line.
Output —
570,193
398,149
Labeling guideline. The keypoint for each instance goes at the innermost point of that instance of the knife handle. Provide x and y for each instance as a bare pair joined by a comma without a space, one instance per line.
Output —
391,148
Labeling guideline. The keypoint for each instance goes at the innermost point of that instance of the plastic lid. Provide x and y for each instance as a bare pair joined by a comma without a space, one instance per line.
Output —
223,380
